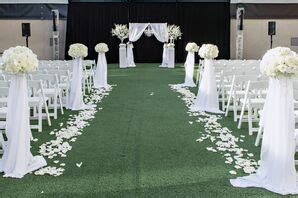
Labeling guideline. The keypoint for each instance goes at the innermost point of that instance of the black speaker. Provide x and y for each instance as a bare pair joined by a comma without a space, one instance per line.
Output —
241,20
54,21
271,28
26,29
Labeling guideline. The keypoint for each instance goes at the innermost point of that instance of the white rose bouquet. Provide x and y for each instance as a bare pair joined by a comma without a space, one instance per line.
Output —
77,50
192,47
279,61
174,32
19,59
120,31
208,51
101,48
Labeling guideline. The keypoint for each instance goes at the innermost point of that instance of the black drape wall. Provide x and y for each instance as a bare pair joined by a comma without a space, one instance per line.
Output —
91,23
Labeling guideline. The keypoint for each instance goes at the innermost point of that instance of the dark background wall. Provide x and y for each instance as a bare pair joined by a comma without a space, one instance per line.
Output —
91,23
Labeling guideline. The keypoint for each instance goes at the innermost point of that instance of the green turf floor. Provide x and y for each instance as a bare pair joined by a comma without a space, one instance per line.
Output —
140,145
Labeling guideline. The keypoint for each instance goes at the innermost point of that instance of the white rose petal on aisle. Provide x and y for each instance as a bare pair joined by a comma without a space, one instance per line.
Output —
75,101
207,97
277,171
101,73
17,159
191,48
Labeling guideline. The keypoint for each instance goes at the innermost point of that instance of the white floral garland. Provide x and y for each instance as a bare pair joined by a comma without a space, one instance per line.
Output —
224,141
60,145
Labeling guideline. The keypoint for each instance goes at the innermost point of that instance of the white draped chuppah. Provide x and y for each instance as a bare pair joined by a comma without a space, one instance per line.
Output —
135,32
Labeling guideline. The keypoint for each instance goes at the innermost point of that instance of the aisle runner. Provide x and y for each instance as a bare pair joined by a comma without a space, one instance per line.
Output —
224,142
60,145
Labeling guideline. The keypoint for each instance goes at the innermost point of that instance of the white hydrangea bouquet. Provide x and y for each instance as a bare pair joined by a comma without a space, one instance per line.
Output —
279,61
170,45
174,32
192,47
208,51
120,31
101,48
19,59
78,50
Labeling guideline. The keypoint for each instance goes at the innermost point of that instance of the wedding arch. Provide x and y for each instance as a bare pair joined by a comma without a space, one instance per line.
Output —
136,30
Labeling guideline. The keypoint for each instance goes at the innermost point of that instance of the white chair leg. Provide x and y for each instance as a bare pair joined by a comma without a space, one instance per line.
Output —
249,112
60,101
47,113
55,106
241,114
228,104
40,117
260,133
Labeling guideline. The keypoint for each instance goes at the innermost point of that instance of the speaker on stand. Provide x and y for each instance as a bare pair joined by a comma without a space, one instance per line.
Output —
271,31
26,32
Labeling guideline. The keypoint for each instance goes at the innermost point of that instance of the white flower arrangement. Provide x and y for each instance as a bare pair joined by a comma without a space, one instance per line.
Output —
120,31
192,47
174,32
78,50
279,61
101,48
19,59
208,51
148,31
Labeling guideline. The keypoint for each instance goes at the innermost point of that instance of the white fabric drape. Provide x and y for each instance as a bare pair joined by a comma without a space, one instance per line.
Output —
160,31
164,56
207,98
122,56
75,101
101,73
277,171
189,70
17,159
130,56
136,30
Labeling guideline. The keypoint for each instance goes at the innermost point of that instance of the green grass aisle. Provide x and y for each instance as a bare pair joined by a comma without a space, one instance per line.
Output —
140,145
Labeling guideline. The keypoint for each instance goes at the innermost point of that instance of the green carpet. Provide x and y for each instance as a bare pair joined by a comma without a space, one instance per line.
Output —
140,145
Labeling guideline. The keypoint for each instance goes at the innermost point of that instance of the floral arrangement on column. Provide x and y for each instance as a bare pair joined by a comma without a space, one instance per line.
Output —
101,48
192,47
78,50
208,51
120,31
17,159
174,32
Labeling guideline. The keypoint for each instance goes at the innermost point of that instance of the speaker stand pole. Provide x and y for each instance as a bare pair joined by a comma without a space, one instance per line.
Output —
271,41
27,43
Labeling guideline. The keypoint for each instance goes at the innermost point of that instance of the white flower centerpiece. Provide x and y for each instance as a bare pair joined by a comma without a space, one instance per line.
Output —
101,48
208,51
191,48
120,31
17,159
278,122
75,101
101,73
174,32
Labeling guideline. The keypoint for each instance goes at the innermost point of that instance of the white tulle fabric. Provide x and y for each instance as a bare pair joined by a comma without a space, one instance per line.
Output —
277,171
130,56
17,159
164,56
75,100
189,70
101,73
122,56
207,98
160,31
136,30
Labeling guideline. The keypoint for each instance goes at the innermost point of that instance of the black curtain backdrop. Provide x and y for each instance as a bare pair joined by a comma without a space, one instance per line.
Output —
91,23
